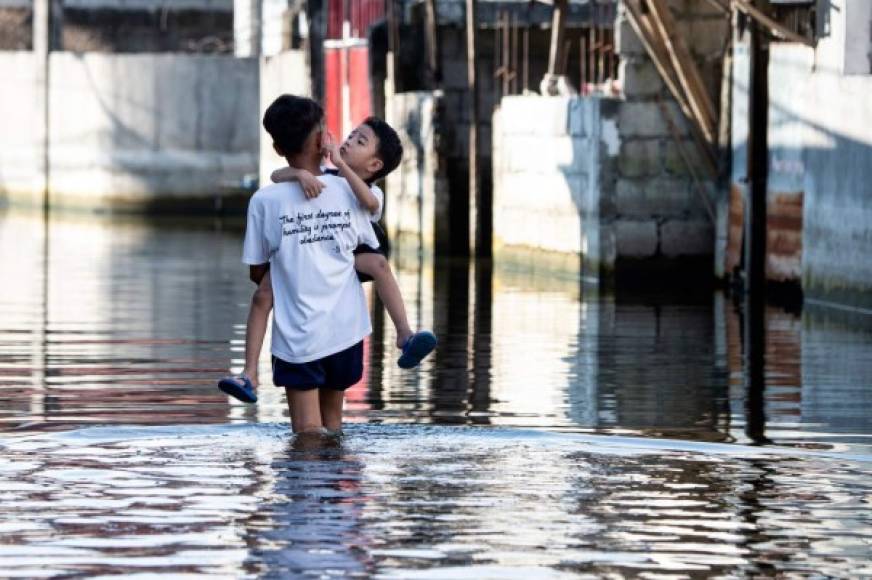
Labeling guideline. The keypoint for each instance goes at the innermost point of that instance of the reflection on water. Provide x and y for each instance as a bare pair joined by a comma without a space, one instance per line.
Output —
125,324
419,501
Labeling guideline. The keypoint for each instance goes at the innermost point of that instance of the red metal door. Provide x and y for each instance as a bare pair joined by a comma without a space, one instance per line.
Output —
347,99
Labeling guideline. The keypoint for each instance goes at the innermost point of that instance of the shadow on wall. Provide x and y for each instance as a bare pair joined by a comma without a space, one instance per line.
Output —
832,173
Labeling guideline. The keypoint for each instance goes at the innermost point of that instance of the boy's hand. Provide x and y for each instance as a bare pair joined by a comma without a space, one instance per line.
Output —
311,185
330,151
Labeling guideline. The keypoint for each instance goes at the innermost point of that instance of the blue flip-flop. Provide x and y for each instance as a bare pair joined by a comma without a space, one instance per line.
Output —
416,348
243,392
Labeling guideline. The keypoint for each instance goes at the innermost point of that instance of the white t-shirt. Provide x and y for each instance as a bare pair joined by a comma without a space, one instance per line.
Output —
319,306
380,196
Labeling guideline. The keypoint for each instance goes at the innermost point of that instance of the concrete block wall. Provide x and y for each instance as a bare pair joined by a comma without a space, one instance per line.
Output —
656,209
551,166
136,132
416,193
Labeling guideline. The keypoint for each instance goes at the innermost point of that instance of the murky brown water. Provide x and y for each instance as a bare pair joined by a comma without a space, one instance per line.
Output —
556,432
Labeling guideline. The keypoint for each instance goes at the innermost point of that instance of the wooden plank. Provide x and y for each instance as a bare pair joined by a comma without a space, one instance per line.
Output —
719,4
526,65
506,55
685,68
393,44
775,27
657,52
434,62
558,29
514,52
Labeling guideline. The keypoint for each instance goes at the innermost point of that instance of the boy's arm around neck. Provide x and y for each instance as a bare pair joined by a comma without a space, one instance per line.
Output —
310,184
365,197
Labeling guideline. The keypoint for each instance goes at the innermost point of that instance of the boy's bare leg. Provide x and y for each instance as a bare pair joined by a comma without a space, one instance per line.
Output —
305,410
255,329
331,408
377,266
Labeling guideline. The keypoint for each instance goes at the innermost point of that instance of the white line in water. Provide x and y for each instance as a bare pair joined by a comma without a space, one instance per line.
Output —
636,444
837,306
605,444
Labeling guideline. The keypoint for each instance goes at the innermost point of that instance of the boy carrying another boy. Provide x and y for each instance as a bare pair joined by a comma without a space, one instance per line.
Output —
369,153
320,313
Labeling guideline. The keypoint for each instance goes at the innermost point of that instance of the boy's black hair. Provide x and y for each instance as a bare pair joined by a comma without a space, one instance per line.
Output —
389,149
290,120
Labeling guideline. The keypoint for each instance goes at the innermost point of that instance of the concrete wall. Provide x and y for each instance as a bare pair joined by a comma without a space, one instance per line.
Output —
131,131
259,26
607,179
858,37
553,157
657,210
417,191
286,72
821,147
21,110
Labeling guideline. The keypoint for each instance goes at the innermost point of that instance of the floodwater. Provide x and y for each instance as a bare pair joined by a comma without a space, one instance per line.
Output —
557,432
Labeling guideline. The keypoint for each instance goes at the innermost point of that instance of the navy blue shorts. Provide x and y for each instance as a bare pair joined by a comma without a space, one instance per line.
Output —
337,371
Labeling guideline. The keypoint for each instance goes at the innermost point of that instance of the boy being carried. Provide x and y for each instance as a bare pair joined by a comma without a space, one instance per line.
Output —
370,152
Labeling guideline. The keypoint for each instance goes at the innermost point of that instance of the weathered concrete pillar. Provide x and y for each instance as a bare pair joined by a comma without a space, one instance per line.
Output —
479,202
42,50
247,16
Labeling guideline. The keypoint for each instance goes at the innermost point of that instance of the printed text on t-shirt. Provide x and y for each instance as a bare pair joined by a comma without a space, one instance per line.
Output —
317,226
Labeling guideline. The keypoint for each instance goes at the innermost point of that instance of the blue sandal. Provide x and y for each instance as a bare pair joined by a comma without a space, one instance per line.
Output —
244,392
416,347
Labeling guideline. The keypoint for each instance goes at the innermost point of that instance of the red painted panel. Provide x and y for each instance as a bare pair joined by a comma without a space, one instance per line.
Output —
333,89
358,81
